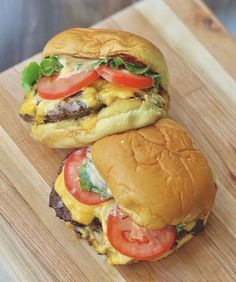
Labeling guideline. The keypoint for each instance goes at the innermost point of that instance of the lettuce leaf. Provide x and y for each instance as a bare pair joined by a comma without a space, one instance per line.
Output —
34,71
116,62
86,184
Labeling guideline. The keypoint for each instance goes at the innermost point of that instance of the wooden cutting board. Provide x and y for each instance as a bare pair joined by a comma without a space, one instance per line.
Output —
201,55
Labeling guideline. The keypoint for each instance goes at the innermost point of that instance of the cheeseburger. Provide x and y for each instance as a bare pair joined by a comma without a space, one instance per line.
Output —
138,195
92,83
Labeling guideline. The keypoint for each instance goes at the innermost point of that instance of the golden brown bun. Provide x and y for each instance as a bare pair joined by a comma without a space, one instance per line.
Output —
94,44
156,174
101,43
68,133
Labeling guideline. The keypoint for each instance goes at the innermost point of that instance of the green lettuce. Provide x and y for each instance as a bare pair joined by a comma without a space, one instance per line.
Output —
116,62
86,184
34,71
179,229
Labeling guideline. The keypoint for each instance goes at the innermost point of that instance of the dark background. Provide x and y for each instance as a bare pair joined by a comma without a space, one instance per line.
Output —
26,25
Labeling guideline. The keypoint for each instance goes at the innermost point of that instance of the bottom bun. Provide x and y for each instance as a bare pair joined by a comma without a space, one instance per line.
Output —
69,133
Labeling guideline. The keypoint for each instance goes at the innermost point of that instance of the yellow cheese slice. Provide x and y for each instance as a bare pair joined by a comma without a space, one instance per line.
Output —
28,106
80,212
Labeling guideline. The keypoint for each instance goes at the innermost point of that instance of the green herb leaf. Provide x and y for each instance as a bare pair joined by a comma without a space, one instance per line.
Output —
156,77
96,64
34,71
46,67
116,62
137,70
30,75
54,58
84,178
97,190
179,228
50,65
56,65
79,66
86,184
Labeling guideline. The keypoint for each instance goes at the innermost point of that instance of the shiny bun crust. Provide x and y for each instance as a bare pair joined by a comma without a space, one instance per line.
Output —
68,134
156,174
101,43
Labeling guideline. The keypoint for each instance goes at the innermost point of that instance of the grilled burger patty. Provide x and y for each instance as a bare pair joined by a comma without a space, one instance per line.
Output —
62,212
70,108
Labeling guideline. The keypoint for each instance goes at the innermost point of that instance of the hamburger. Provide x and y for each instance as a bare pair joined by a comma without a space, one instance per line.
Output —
92,83
138,195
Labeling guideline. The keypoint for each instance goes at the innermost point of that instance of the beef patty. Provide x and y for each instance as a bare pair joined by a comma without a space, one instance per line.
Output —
69,108
63,213
61,210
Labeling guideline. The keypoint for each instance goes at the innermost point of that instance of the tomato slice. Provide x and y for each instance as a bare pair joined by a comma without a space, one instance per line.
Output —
125,78
137,242
49,87
71,176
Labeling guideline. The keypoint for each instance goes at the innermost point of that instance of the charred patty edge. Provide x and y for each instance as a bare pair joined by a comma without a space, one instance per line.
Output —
63,213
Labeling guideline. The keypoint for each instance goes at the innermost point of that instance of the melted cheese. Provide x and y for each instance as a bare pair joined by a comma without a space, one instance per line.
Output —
87,123
28,107
44,107
85,214
118,107
80,212
89,97
108,92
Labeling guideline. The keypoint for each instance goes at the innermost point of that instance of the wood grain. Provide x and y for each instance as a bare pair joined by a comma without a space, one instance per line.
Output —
225,12
208,30
35,246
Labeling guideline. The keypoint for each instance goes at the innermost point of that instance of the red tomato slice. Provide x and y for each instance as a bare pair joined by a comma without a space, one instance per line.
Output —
71,176
49,87
137,242
125,78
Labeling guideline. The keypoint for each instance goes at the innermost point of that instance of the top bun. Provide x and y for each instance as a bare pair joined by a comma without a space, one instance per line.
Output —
156,174
101,43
